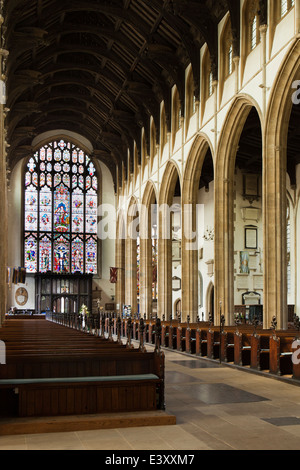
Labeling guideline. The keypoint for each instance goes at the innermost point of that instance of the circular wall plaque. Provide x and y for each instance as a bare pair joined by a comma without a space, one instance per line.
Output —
21,296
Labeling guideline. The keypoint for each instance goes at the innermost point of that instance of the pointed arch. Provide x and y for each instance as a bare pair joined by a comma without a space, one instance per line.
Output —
131,255
149,205
120,260
170,178
209,301
276,131
191,179
224,200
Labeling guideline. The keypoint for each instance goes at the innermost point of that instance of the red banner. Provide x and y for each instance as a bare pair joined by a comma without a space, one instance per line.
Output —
113,275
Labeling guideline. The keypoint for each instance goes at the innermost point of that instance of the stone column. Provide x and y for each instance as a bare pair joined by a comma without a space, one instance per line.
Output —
131,274
131,257
146,277
236,61
275,252
189,266
224,269
145,298
120,264
263,33
164,267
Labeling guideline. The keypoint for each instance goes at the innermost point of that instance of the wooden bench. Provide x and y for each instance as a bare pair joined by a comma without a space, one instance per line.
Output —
242,348
48,360
181,337
165,335
244,344
190,339
227,346
172,336
201,342
213,343
82,395
260,351
281,353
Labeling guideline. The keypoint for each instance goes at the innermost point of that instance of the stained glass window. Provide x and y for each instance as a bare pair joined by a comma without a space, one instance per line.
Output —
60,211
30,253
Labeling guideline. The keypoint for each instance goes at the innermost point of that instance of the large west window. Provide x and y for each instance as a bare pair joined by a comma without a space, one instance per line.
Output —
60,211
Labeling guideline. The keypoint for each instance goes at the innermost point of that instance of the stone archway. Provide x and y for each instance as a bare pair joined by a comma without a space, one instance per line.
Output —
167,190
276,131
191,180
224,203
210,301
131,279
120,261
146,268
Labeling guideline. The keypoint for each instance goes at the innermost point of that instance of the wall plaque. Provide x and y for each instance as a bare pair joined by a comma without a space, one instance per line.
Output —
251,238
21,296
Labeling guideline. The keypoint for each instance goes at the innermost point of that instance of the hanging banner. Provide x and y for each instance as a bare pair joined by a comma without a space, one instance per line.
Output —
113,275
154,274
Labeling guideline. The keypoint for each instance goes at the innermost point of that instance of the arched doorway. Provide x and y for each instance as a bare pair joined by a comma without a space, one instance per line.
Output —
177,309
210,302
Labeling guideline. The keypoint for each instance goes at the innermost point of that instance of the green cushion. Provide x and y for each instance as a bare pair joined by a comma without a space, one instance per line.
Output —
113,378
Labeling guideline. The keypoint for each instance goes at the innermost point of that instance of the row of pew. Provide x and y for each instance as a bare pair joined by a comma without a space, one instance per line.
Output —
51,370
274,351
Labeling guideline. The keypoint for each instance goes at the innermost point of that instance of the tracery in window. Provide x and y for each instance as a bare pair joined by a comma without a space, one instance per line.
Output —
254,24
227,49
210,83
286,6
207,76
60,223
177,111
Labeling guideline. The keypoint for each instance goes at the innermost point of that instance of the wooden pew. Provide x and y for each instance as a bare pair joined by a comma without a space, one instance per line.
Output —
190,338
296,357
40,371
180,337
201,342
75,396
173,335
281,353
227,346
242,348
260,351
213,343
165,334
151,333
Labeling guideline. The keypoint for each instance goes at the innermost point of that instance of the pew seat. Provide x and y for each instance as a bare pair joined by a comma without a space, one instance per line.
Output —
108,378
64,396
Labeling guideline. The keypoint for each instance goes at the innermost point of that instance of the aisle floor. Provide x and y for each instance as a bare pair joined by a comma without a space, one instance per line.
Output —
216,408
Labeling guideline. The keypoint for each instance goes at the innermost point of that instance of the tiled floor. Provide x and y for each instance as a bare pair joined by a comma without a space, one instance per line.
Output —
217,408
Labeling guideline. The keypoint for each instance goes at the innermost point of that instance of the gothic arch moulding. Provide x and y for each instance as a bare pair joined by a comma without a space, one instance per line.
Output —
224,200
191,179
279,111
147,264
168,185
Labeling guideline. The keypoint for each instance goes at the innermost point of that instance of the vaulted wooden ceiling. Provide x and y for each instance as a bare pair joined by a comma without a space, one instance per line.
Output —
102,67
